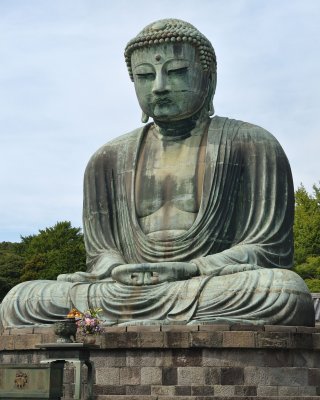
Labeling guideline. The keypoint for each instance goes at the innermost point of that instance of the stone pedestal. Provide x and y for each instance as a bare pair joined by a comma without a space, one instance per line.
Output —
191,362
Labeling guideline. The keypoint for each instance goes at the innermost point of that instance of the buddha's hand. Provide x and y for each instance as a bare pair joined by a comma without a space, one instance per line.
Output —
154,273
78,277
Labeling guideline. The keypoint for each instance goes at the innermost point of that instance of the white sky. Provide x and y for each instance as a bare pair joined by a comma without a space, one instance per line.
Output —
64,89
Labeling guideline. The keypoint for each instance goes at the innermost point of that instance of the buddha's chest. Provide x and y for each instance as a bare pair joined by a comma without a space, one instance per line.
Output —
169,175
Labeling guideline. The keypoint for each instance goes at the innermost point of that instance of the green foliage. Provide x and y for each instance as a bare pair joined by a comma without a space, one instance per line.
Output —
10,268
310,269
53,251
313,285
307,236
307,224
310,272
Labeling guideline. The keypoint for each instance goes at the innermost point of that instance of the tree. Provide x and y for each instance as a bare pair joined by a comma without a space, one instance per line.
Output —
53,251
307,236
10,269
56,250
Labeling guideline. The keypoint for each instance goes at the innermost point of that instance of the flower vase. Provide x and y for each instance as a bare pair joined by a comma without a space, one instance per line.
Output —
89,339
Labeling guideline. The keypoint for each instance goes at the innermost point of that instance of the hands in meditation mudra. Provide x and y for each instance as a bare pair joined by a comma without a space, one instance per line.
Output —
188,218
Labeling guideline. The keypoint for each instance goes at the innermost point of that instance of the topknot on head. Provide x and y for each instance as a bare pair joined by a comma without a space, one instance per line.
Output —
171,31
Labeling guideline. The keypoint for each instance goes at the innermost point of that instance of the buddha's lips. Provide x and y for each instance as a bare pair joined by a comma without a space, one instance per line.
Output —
162,101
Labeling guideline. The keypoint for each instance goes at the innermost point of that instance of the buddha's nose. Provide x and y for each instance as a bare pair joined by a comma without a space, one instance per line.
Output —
160,85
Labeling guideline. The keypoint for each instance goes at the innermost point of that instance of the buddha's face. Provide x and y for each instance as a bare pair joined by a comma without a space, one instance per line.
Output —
169,81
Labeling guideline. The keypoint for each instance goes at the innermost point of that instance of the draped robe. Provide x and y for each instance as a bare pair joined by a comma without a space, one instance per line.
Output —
241,241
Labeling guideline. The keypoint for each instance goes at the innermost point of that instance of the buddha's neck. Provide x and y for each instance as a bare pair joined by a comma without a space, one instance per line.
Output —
175,130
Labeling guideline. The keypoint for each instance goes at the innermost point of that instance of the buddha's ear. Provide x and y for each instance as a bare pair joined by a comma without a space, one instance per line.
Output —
213,84
211,108
144,117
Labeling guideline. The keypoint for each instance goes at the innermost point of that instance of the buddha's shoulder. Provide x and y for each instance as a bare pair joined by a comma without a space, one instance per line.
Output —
243,131
119,144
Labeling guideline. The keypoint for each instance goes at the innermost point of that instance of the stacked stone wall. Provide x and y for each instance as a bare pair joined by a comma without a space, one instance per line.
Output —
190,362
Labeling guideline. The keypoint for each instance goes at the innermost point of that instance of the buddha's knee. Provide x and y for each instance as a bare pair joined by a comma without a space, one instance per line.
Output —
289,280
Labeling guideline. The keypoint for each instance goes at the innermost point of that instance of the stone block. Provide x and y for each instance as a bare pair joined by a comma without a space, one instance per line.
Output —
202,390
23,342
305,358
242,327
214,327
6,342
308,390
109,390
280,328
130,376
179,328
245,390
169,376
148,358
239,339
288,391
162,390
141,390
182,391
176,339
144,328
232,376
187,358
110,358
114,329
151,339
206,339
316,341
314,376
107,376
151,376
266,376
302,340
267,391
274,340
223,390
307,329
22,331
235,357
46,330
276,358
48,337
191,376
120,340
212,376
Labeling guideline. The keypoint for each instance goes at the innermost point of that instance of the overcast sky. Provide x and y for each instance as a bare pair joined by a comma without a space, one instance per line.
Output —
65,91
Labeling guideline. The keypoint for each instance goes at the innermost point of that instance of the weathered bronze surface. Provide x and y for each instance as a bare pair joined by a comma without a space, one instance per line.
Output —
23,381
65,329
187,219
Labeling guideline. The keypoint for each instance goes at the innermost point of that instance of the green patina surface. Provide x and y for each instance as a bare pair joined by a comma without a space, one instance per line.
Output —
187,219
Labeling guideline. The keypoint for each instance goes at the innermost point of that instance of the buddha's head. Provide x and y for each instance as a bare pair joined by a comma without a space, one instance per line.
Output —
173,67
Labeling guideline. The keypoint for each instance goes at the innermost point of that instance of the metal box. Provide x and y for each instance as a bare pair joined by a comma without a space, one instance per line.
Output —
38,381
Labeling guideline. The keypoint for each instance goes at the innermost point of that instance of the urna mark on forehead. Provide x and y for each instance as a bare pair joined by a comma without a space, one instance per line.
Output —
172,31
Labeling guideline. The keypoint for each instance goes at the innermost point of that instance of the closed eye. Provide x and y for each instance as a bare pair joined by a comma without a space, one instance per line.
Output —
148,75
178,71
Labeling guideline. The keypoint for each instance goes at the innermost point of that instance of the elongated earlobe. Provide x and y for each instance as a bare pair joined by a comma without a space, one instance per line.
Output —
144,117
211,109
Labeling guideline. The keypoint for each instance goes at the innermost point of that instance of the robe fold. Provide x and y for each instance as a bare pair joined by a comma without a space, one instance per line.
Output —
241,241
